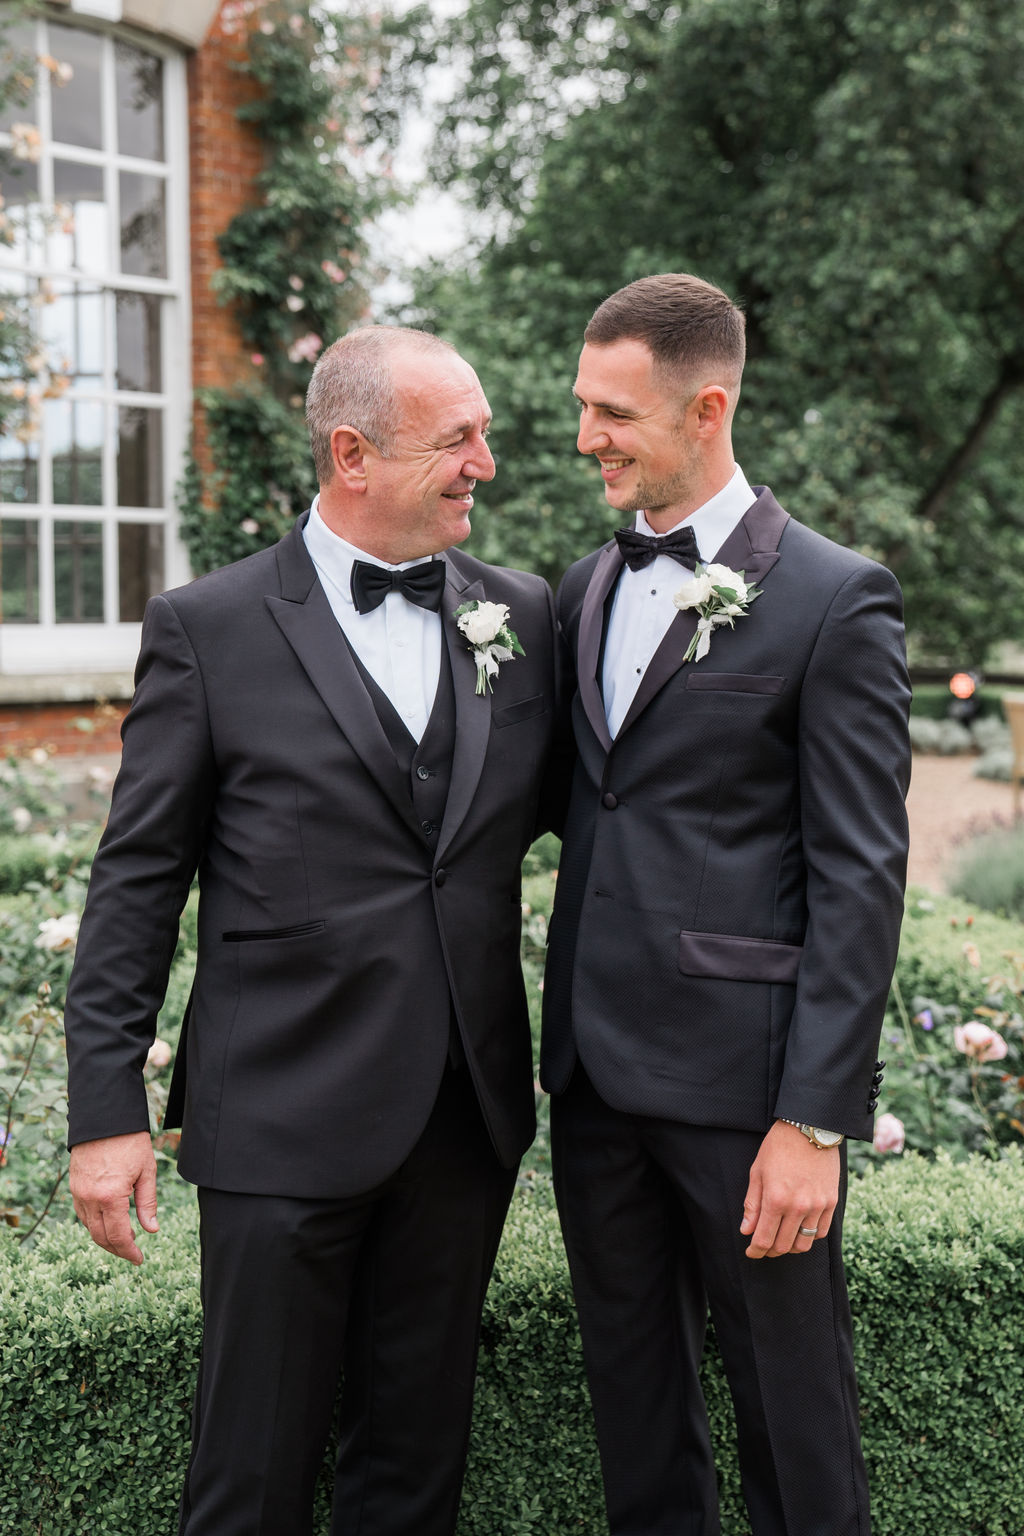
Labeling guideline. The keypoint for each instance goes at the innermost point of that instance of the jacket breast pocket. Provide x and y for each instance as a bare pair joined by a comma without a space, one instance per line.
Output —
733,682
296,931
522,709
728,957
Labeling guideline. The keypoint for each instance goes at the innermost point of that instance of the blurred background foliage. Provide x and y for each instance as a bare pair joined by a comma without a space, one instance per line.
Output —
847,169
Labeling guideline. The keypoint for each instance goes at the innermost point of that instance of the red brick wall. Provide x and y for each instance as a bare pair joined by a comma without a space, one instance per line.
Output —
61,728
225,156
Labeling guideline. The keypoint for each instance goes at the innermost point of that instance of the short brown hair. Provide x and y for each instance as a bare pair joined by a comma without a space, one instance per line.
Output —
688,325
353,385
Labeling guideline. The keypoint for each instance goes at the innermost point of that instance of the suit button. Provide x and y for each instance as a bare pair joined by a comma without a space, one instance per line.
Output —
428,827
423,773
609,801
440,876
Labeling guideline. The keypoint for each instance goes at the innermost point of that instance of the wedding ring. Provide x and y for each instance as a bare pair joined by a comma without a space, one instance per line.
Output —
808,1231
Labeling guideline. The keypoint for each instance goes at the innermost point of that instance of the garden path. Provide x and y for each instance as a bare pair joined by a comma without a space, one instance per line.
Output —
946,805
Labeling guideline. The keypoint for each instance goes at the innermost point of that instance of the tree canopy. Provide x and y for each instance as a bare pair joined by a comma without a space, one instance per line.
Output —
846,169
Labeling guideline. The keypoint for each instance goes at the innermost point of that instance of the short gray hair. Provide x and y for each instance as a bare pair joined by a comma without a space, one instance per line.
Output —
353,385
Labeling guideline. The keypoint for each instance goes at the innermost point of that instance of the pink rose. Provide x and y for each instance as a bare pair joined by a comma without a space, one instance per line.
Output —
159,1055
979,1042
889,1134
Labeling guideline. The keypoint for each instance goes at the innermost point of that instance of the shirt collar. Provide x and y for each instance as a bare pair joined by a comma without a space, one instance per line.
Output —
334,556
714,521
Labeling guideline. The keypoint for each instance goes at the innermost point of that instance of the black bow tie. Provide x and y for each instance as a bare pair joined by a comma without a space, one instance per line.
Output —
639,549
422,584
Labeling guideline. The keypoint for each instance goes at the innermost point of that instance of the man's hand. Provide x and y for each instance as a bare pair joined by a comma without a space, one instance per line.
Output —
104,1176
792,1185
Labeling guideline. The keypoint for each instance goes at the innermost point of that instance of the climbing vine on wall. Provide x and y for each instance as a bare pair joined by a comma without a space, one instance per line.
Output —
294,264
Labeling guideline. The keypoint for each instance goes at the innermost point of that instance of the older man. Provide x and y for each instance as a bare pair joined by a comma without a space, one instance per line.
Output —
356,782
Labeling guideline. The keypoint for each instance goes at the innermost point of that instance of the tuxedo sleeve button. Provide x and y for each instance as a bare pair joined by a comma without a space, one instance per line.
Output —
609,801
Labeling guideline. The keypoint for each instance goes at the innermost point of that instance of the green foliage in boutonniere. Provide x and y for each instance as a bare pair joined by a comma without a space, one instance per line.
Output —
485,626
720,596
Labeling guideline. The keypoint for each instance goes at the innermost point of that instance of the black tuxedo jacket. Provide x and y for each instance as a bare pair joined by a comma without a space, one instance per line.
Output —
335,946
730,891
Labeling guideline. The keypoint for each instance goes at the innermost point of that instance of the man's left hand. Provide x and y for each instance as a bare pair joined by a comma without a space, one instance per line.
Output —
793,1185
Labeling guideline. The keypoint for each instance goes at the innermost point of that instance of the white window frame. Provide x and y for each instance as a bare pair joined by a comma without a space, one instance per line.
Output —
46,647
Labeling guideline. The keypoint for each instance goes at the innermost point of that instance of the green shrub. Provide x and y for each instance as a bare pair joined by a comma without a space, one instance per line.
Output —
989,872
99,1360
932,700
42,860
957,967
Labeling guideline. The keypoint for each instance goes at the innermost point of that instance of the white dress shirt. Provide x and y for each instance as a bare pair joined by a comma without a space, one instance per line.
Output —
642,608
399,643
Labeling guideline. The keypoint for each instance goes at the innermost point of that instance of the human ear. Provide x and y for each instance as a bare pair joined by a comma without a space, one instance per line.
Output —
712,409
348,454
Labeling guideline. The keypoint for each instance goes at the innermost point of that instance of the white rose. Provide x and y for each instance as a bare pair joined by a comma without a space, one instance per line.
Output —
695,592
59,934
22,818
722,576
481,626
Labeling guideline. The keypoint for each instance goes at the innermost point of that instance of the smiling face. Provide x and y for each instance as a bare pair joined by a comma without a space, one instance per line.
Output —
422,493
653,444
416,500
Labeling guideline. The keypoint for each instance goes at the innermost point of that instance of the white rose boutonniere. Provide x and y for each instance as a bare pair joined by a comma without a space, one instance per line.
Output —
720,596
485,626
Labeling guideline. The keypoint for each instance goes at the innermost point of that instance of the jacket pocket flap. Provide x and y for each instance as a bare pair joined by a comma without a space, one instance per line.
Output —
523,709
729,958
734,682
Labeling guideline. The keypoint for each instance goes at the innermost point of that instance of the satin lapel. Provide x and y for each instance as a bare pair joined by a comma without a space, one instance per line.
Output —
752,548
472,710
307,623
588,644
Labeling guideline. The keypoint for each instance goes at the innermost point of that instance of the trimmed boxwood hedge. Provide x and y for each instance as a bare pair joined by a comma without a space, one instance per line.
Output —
97,1363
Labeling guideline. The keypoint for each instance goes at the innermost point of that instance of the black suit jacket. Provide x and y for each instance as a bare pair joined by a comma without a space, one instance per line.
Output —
730,892
335,946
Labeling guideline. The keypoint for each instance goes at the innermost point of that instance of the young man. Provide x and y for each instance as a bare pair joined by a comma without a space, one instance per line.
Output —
724,935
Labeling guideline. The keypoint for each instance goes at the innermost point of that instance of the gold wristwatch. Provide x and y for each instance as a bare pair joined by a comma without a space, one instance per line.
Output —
815,1135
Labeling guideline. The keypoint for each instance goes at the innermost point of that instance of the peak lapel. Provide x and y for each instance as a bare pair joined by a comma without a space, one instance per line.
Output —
472,710
752,548
588,644
304,617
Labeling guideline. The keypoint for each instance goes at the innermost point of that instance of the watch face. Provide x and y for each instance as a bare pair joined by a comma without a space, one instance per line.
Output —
827,1138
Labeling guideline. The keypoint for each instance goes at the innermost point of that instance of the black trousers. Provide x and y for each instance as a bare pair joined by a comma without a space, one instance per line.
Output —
651,1213
386,1287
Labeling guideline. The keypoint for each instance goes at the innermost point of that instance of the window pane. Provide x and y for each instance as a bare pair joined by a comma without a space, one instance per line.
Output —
18,55
76,105
140,470
73,329
19,469
84,241
140,556
143,244
19,571
74,431
138,342
21,220
78,572
140,103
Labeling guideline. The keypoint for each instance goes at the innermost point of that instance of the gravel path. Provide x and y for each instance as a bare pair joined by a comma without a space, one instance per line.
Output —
946,804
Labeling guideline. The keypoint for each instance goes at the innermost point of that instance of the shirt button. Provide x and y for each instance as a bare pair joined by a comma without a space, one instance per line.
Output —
423,773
